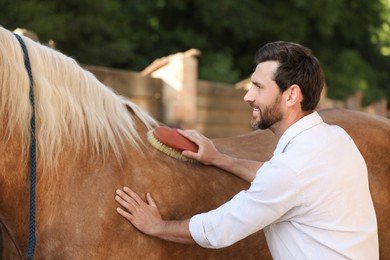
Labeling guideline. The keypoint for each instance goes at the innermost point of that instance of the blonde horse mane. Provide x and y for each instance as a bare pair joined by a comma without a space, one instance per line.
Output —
72,107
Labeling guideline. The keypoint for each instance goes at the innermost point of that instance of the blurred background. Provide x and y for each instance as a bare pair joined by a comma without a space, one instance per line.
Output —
351,38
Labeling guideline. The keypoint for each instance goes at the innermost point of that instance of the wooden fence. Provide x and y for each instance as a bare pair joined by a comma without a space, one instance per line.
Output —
220,109
144,91
169,90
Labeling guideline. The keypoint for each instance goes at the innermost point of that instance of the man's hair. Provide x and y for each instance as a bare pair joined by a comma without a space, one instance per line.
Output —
297,65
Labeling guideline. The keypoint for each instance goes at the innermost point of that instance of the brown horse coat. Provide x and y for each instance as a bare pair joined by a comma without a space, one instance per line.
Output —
76,211
94,141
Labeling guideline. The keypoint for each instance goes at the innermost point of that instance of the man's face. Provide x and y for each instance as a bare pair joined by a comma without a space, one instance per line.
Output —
264,96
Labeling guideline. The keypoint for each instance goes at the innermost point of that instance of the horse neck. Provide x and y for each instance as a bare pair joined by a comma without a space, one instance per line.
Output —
13,192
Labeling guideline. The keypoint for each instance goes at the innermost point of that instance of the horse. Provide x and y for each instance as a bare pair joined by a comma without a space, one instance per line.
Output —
91,141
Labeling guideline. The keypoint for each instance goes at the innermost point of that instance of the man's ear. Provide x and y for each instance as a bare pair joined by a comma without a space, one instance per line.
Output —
294,95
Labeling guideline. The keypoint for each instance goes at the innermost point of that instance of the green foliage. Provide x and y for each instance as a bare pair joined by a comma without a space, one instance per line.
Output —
214,67
350,73
350,37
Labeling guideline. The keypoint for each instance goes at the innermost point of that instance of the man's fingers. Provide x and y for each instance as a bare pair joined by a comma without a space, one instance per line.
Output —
127,204
133,195
190,154
131,201
190,134
150,200
125,214
143,215
128,195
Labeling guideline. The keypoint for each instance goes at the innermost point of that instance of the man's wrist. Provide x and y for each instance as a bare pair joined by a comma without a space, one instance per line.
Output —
223,161
159,229
174,230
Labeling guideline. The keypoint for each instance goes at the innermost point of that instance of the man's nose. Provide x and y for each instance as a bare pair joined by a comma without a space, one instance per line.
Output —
249,95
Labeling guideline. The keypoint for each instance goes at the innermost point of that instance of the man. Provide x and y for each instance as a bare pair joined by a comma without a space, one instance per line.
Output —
311,199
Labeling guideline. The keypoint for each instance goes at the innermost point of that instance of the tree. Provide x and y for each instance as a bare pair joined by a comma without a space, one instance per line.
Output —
350,37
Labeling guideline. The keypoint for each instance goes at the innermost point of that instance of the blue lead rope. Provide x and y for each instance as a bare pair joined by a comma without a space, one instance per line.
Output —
33,160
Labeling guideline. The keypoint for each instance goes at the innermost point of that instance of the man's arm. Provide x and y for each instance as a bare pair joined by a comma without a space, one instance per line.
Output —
209,155
242,168
146,218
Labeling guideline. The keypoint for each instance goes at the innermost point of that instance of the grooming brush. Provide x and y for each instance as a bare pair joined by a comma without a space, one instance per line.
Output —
170,142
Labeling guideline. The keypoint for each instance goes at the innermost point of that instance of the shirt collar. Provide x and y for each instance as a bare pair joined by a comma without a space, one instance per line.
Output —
298,127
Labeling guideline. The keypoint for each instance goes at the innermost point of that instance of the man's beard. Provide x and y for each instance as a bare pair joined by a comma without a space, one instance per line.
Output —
269,115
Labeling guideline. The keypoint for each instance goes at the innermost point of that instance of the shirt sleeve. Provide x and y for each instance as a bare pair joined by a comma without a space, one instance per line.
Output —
271,195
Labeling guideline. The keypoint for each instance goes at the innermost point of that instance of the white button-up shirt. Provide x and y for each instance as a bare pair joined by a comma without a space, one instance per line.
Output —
312,199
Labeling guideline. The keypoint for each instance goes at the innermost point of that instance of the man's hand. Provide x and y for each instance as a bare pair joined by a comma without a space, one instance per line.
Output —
207,153
144,216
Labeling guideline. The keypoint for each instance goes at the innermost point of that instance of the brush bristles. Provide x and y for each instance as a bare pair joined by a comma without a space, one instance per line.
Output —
166,149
